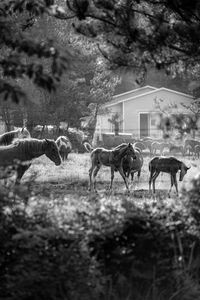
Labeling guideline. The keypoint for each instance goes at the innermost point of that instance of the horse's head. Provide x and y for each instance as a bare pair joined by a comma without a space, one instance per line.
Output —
183,171
23,133
52,152
130,151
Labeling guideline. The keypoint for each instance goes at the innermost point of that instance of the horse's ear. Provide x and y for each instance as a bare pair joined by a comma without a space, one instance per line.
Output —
47,140
188,168
22,129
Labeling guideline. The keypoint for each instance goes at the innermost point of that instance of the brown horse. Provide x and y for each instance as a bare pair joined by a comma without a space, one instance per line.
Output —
169,165
131,166
110,158
8,137
64,146
20,154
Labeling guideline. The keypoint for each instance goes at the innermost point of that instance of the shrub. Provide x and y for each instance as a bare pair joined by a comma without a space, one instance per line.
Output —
76,137
39,260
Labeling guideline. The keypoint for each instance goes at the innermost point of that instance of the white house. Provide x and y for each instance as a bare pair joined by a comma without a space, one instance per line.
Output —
139,111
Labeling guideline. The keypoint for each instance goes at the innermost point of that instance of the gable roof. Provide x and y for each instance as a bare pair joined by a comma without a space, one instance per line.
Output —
132,96
133,93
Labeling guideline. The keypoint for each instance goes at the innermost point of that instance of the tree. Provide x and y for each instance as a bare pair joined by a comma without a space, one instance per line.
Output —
25,56
136,34
133,34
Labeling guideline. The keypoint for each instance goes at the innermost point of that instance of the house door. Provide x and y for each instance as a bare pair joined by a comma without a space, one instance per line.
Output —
144,125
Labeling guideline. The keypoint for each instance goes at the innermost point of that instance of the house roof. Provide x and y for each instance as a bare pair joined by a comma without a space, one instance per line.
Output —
131,95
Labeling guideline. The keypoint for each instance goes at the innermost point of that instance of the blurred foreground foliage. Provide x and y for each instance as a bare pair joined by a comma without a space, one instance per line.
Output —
100,248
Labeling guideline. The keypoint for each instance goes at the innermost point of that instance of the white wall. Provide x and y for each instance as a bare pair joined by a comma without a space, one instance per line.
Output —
146,103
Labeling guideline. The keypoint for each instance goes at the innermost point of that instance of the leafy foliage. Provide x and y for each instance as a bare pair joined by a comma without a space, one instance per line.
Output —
108,249
23,55
135,34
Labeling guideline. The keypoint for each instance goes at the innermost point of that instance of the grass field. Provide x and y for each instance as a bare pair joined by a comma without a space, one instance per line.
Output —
71,178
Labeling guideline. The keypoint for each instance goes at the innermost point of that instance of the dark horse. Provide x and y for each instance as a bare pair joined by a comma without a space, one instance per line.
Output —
169,165
64,146
8,137
20,154
132,166
110,158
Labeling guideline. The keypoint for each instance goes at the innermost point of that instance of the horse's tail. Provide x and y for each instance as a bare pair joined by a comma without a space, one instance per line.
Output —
87,147
138,149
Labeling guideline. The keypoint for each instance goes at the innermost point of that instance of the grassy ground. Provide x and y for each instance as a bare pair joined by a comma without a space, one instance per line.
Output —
71,178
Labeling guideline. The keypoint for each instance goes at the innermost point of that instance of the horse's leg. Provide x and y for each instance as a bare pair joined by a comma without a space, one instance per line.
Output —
64,156
132,176
96,170
172,183
154,180
138,175
90,177
150,179
21,169
61,154
112,177
175,183
124,177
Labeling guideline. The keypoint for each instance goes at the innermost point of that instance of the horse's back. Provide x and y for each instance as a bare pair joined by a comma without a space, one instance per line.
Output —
164,164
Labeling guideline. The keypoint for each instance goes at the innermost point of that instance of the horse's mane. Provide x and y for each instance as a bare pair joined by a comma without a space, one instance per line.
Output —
7,137
28,145
120,151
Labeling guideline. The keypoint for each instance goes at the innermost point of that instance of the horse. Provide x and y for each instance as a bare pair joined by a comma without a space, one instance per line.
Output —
190,144
131,166
160,146
148,141
169,165
64,146
176,149
8,137
139,145
111,158
21,152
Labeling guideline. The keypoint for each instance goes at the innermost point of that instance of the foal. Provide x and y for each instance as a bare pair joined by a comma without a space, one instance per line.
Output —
169,165
110,158
131,166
